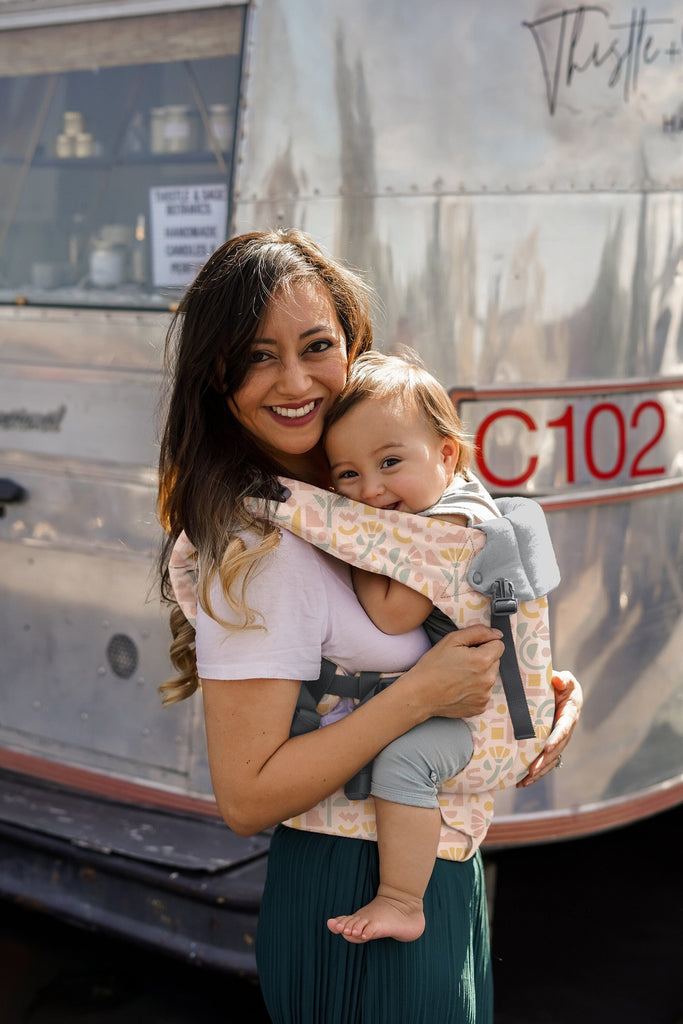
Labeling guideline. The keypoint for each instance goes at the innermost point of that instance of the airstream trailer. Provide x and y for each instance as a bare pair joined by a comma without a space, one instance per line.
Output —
510,178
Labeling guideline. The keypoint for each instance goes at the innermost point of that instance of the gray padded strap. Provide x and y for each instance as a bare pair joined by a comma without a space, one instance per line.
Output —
518,548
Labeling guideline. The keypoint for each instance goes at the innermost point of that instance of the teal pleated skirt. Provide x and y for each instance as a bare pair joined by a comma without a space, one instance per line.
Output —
310,976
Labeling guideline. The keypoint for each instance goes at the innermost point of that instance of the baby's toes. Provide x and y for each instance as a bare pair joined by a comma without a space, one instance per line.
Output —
355,926
337,924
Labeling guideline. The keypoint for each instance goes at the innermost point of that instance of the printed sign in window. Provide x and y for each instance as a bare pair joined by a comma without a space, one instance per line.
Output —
188,223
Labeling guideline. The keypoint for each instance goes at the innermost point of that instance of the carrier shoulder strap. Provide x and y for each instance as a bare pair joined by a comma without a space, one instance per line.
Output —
503,605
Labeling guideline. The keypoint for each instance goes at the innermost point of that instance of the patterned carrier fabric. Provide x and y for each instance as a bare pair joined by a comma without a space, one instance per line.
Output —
433,557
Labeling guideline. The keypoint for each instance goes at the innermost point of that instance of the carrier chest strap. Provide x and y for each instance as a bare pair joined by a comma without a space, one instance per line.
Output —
360,687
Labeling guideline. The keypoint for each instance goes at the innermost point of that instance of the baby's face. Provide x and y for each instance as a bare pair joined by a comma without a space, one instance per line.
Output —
387,456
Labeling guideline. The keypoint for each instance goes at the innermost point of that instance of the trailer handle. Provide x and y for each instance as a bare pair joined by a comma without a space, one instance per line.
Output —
10,492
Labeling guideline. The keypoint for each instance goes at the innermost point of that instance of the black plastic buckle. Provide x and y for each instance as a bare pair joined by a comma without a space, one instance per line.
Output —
503,600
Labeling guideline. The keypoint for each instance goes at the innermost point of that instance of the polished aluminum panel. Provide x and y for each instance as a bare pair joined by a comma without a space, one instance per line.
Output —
508,290
397,97
616,621
83,636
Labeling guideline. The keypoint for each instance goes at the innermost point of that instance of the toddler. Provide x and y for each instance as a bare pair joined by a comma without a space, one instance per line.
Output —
394,441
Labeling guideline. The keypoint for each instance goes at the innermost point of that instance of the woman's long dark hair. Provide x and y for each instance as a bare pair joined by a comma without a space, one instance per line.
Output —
208,463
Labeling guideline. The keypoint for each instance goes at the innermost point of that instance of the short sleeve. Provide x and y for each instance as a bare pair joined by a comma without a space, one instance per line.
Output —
287,594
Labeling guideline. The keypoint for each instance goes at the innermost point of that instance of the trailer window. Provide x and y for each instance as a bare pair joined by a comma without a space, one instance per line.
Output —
116,151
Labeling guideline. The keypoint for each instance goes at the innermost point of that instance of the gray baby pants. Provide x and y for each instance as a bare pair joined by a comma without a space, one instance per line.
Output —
410,768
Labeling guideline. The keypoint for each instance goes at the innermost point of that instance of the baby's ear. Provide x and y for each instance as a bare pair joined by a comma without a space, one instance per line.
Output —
450,450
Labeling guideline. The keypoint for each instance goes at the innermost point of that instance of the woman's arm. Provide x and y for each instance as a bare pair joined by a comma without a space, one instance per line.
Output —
261,776
568,704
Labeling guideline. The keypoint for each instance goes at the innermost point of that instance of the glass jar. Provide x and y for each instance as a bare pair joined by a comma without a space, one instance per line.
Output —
157,120
72,121
107,264
180,129
221,127
65,146
84,144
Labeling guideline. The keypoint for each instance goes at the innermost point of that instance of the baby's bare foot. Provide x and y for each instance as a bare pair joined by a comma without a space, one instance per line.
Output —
392,914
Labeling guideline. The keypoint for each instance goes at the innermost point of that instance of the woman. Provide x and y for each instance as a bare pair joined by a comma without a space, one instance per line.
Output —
257,356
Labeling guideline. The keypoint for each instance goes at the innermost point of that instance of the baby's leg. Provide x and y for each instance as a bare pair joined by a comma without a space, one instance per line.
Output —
408,838
404,780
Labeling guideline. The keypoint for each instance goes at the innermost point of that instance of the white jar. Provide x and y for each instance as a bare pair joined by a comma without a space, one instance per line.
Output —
72,121
85,144
221,126
157,121
180,130
107,264
65,146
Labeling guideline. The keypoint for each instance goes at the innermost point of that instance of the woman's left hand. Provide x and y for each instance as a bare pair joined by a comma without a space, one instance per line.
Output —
568,704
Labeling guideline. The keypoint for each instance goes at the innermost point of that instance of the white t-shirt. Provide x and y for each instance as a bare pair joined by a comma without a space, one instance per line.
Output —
306,601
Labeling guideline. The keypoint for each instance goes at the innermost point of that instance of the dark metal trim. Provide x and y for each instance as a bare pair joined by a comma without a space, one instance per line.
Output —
201,917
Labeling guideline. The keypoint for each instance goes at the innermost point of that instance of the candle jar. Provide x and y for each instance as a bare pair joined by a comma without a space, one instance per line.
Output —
180,129
72,121
84,144
65,146
221,127
157,120
107,264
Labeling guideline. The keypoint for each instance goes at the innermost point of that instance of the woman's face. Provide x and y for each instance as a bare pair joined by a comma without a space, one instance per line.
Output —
297,368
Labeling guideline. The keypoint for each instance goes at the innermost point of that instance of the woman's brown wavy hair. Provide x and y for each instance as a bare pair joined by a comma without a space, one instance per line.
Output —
208,463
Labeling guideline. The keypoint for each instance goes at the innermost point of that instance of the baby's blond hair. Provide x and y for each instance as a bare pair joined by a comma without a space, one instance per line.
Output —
403,379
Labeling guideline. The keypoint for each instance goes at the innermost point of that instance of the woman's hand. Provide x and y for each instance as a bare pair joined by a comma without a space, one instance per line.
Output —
568,704
455,677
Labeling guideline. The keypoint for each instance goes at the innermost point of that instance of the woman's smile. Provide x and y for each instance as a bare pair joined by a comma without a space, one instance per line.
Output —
295,412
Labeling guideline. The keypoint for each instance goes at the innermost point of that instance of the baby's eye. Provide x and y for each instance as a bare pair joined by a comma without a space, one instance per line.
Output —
391,460
348,474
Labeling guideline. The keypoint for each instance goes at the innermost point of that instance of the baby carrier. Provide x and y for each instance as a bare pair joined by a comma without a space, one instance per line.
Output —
498,574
